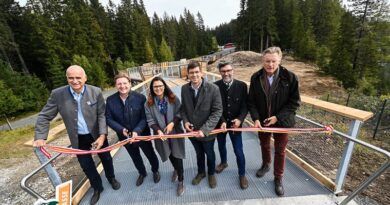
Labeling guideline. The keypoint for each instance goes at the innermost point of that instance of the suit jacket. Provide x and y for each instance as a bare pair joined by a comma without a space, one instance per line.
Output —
234,101
154,117
207,111
130,115
61,101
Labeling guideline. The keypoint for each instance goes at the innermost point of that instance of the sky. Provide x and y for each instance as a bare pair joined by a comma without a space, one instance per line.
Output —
214,12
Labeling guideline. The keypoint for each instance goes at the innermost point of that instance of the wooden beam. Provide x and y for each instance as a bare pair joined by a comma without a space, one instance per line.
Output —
338,109
51,135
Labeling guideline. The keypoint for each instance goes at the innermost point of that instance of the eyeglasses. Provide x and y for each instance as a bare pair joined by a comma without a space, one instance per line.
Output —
226,71
158,86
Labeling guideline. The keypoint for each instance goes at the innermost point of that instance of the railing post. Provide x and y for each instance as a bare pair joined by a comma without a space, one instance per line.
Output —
347,154
54,177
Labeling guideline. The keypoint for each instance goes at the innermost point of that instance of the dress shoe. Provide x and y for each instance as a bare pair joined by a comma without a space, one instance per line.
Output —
114,183
221,167
212,181
180,188
156,177
95,197
140,180
198,178
279,190
264,169
174,176
243,182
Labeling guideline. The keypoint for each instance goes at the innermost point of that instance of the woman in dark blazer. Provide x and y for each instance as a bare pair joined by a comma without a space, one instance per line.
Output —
162,113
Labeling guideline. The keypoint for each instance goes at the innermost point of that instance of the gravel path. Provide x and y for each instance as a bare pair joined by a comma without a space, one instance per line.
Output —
33,118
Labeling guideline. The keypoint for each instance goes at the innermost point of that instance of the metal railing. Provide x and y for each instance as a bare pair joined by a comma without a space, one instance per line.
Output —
351,138
46,163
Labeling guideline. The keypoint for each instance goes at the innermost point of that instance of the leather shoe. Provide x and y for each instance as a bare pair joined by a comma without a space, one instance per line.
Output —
243,182
279,190
264,169
114,183
140,180
212,181
198,178
180,188
174,176
95,197
221,167
156,177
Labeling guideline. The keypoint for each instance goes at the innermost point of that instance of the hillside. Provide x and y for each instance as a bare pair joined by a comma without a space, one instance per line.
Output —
311,81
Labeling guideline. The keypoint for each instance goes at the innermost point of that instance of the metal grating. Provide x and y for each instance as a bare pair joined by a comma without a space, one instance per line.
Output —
296,182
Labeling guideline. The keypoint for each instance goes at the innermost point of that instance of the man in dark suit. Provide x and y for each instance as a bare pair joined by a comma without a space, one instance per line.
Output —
234,94
201,111
82,109
125,114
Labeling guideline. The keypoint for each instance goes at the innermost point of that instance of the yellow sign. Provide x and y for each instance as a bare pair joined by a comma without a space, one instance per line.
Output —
64,193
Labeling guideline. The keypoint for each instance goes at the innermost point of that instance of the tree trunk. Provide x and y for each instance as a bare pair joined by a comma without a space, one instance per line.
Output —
355,58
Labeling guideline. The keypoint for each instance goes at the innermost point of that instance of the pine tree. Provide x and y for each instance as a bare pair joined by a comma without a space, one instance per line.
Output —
341,57
149,54
165,52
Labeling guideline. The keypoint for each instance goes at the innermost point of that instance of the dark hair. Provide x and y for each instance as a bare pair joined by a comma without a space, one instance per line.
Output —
192,65
122,75
222,64
167,92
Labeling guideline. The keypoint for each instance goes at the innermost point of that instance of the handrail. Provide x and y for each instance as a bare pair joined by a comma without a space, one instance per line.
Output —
27,177
374,175
359,116
23,184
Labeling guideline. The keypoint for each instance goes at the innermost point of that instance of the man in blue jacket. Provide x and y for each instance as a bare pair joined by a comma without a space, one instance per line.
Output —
125,114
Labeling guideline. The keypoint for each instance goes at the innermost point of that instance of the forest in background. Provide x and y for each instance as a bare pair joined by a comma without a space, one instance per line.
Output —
41,39
350,43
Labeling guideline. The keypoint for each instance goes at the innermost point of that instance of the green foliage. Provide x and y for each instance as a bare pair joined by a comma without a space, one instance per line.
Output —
95,73
9,103
119,65
165,52
149,54
28,88
214,44
351,45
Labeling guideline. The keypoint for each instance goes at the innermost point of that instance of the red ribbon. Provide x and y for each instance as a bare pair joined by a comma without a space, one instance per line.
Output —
65,150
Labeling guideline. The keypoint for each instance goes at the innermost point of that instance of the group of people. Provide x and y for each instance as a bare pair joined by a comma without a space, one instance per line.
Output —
272,100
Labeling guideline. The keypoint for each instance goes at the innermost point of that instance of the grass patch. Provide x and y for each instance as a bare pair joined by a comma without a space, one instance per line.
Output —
11,141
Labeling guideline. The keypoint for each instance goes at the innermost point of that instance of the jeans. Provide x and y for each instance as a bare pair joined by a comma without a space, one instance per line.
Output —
88,165
236,138
203,148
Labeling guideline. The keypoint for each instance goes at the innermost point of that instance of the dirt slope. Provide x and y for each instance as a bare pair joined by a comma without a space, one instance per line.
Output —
311,81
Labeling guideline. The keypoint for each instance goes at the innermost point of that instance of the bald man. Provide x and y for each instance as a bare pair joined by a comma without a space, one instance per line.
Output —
82,108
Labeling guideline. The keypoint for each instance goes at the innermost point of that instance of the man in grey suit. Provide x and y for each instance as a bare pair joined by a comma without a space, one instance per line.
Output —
82,109
201,111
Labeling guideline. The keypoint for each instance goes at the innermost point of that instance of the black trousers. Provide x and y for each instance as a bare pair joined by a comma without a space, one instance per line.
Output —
203,148
147,148
178,166
88,165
